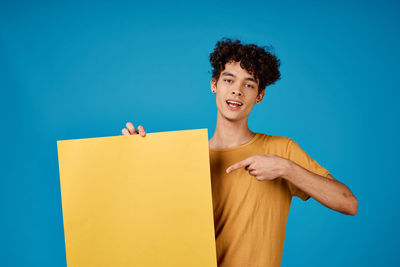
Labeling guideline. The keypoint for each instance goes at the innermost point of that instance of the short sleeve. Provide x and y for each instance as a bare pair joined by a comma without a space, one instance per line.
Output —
296,154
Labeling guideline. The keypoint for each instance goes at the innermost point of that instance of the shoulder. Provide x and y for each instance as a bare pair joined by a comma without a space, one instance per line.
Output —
276,139
276,144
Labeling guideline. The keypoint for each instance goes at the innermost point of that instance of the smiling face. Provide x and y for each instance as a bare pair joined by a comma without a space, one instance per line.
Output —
237,92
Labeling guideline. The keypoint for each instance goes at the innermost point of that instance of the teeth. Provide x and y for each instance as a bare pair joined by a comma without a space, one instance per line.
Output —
234,102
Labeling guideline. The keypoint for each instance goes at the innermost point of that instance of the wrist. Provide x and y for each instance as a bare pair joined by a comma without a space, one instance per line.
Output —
288,169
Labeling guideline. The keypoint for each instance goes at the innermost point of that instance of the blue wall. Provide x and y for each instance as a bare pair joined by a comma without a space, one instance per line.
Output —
83,70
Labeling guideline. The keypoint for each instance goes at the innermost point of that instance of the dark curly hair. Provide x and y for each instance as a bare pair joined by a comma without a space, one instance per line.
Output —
258,61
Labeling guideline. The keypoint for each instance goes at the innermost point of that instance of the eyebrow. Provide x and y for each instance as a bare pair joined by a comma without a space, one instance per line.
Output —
230,74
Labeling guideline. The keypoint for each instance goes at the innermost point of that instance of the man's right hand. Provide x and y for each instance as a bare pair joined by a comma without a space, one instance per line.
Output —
130,129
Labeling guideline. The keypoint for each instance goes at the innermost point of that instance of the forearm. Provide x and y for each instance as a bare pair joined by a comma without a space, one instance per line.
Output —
329,192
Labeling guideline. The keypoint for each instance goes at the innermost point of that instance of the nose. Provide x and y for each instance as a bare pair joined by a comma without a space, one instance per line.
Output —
236,92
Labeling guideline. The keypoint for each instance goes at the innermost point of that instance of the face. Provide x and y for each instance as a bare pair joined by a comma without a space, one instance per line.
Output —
236,92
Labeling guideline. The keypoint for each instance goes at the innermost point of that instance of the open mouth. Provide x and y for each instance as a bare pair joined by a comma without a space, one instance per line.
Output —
233,105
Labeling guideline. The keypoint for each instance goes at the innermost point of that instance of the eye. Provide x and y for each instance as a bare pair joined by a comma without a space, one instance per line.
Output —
227,80
249,85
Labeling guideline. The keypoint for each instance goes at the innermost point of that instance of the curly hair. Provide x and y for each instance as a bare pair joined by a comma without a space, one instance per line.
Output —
258,61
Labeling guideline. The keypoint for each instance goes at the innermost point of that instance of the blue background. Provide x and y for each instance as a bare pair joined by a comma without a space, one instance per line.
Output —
82,70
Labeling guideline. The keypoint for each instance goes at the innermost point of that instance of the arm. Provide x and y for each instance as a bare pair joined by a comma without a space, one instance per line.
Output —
326,190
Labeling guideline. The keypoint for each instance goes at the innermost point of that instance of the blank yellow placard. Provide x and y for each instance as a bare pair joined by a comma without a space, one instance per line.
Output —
138,201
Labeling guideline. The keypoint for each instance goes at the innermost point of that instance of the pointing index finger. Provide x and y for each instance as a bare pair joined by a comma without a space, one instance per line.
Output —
239,165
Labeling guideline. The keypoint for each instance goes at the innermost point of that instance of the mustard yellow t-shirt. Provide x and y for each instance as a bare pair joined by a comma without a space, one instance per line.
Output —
250,215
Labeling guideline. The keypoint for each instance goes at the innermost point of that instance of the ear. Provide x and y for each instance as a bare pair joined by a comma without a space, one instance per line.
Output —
260,96
213,84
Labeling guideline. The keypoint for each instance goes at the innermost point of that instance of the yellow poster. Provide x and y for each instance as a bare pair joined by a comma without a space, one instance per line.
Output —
138,201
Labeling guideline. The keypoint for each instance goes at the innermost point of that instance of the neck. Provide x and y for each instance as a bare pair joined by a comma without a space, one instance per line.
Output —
230,133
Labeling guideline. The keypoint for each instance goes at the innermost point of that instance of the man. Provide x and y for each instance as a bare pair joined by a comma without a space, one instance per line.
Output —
255,175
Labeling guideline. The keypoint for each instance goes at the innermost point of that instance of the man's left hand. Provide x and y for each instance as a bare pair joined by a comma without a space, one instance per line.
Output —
263,167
